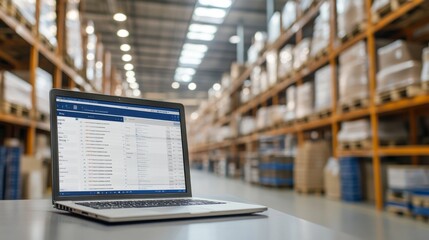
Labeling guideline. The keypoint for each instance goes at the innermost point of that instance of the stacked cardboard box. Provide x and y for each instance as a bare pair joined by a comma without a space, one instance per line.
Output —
321,31
350,15
288,14
399,65
304,100
309,166
332,179
304,5
323,89
353,76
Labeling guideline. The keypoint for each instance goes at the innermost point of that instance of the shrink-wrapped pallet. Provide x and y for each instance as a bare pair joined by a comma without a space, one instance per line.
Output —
285,61
304,100
289,14
350,15
73,34
15,90
272,67
353,74
291,103
323,89
399,65
274,27
353,131
321,32
301,53
247,125
425,69
257,47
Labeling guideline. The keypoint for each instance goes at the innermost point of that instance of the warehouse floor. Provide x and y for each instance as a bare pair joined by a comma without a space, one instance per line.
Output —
360,220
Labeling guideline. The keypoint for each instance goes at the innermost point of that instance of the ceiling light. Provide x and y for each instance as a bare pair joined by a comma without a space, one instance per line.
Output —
131,79
128,66
125,47
192,86
234,39
126,57
175,85
189,61
200,36
119,17
202,28
216,3
183,78
134,85
122,33
89,29
195,47
90,56
188,71
130,74
192,54
136,92
216,87
209,12
194,116
99,64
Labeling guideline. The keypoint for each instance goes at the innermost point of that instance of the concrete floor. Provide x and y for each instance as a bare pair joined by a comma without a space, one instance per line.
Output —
359,220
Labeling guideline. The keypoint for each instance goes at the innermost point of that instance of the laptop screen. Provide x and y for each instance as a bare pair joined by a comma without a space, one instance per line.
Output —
118,148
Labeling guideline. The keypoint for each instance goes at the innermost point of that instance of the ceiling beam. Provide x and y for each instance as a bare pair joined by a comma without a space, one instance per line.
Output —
98,16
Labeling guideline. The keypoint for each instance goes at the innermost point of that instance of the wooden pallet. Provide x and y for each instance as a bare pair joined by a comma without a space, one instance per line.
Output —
45,42
398,196
422,218
386,9
42,117
420,201
355,31
392,143
14,109
321,114
322,53
398,94
304,190
355,145
399,211
303,119
353,104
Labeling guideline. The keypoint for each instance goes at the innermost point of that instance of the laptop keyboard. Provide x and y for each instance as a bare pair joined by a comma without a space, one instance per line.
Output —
147,203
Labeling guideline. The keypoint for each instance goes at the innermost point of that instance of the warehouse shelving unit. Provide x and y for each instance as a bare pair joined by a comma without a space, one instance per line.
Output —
27,39
411,107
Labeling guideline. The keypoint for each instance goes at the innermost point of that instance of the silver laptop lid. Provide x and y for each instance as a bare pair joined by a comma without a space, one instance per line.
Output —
107,147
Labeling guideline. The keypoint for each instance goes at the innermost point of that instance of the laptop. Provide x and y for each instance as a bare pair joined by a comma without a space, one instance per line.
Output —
120,159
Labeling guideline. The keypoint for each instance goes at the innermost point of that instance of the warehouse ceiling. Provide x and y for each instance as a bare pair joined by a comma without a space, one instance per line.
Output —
157,32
